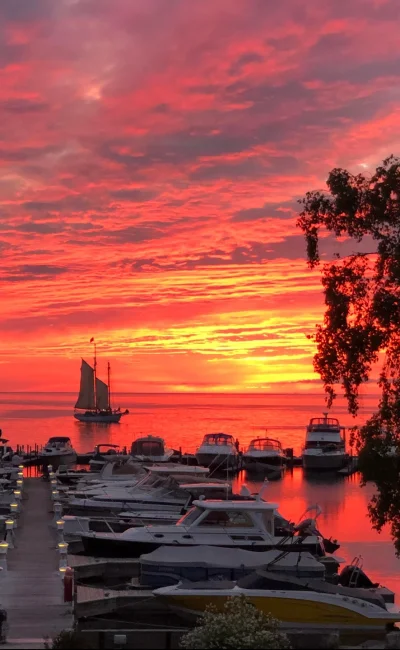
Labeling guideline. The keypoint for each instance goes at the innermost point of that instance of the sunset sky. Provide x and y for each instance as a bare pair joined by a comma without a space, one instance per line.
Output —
151,156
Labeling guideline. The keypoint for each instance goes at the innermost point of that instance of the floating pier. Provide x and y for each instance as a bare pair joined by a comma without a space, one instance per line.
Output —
31,589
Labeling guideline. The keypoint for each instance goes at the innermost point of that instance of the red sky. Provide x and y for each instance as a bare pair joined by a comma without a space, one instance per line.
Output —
151,156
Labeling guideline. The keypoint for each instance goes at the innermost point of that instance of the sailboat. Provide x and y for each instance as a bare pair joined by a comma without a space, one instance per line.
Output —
94,399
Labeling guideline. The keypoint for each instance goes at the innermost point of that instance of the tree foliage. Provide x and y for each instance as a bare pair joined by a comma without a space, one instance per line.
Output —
239,625
362,317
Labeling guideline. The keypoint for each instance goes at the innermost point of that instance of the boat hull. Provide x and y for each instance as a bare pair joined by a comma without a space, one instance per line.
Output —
263,463
58,459
293,609
102,546
107,418
324,461
218,461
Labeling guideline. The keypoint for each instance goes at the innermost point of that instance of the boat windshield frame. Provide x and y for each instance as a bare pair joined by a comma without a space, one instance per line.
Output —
218,440
269,444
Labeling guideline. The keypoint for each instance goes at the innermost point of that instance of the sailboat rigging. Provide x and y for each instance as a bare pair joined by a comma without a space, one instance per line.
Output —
94,399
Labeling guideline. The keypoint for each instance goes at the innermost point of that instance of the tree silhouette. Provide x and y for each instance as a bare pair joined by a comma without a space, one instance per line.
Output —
362,317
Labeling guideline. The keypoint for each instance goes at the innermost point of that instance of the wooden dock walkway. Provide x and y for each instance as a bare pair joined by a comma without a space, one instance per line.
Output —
31,590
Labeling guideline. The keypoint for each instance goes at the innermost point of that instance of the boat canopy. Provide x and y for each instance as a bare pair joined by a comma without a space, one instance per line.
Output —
149,446
324,424
218,439
265,444
59,439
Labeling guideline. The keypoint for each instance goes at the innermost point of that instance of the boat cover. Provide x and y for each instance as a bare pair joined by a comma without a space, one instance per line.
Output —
211,556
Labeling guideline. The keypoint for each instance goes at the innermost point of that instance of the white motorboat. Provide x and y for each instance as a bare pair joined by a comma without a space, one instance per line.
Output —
218,450
151,449
150,493
325,446
248,524
168,564
264,454
58,450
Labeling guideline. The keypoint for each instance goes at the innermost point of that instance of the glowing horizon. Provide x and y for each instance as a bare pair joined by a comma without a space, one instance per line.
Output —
152,154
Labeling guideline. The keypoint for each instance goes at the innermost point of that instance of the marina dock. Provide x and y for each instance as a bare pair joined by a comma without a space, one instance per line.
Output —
31,589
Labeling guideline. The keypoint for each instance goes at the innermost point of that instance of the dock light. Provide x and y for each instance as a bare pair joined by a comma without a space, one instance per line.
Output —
57,509
3,555
50,468
62,570
20,483
63,550
60,530
17,494
21,474
10,533
53,481
55,494
21,467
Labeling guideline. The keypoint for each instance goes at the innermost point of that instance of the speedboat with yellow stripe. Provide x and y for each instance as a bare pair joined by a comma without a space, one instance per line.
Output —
309,604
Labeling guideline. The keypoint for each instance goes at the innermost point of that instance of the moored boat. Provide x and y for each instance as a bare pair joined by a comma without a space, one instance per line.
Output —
306,603
58,450
248,524
218,450
151,449
324,446
264,454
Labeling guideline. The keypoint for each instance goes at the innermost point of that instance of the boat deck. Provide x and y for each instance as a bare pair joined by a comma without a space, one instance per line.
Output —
31,590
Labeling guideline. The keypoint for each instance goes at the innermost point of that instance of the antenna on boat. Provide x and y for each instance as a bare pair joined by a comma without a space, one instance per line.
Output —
325,414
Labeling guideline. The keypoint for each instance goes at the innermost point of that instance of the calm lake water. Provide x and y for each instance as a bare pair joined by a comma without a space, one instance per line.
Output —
182,420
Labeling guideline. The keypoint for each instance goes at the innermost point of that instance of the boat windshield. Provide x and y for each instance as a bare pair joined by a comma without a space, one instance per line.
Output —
219,439
190,517
147,448
265,444
324,424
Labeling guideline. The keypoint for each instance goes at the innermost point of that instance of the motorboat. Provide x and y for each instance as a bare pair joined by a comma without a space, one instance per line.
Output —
218,450
121,521
152,492
58,449
324,446
247,523
265,455
168,565
151,449
102,454
297,602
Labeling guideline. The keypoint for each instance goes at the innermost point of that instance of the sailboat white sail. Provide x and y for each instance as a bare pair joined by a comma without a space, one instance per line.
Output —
94,396
102,402
86,391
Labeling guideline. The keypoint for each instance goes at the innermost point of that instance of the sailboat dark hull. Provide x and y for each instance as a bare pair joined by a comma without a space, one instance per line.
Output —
106,418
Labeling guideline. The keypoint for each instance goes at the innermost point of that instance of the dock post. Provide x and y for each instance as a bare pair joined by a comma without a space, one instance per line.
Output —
17,495
60,530
10,536
63,550
3,555
14,508
57,509
55,495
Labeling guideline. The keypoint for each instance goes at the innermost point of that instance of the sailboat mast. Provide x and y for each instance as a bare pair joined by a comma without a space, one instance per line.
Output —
109,384
95,374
